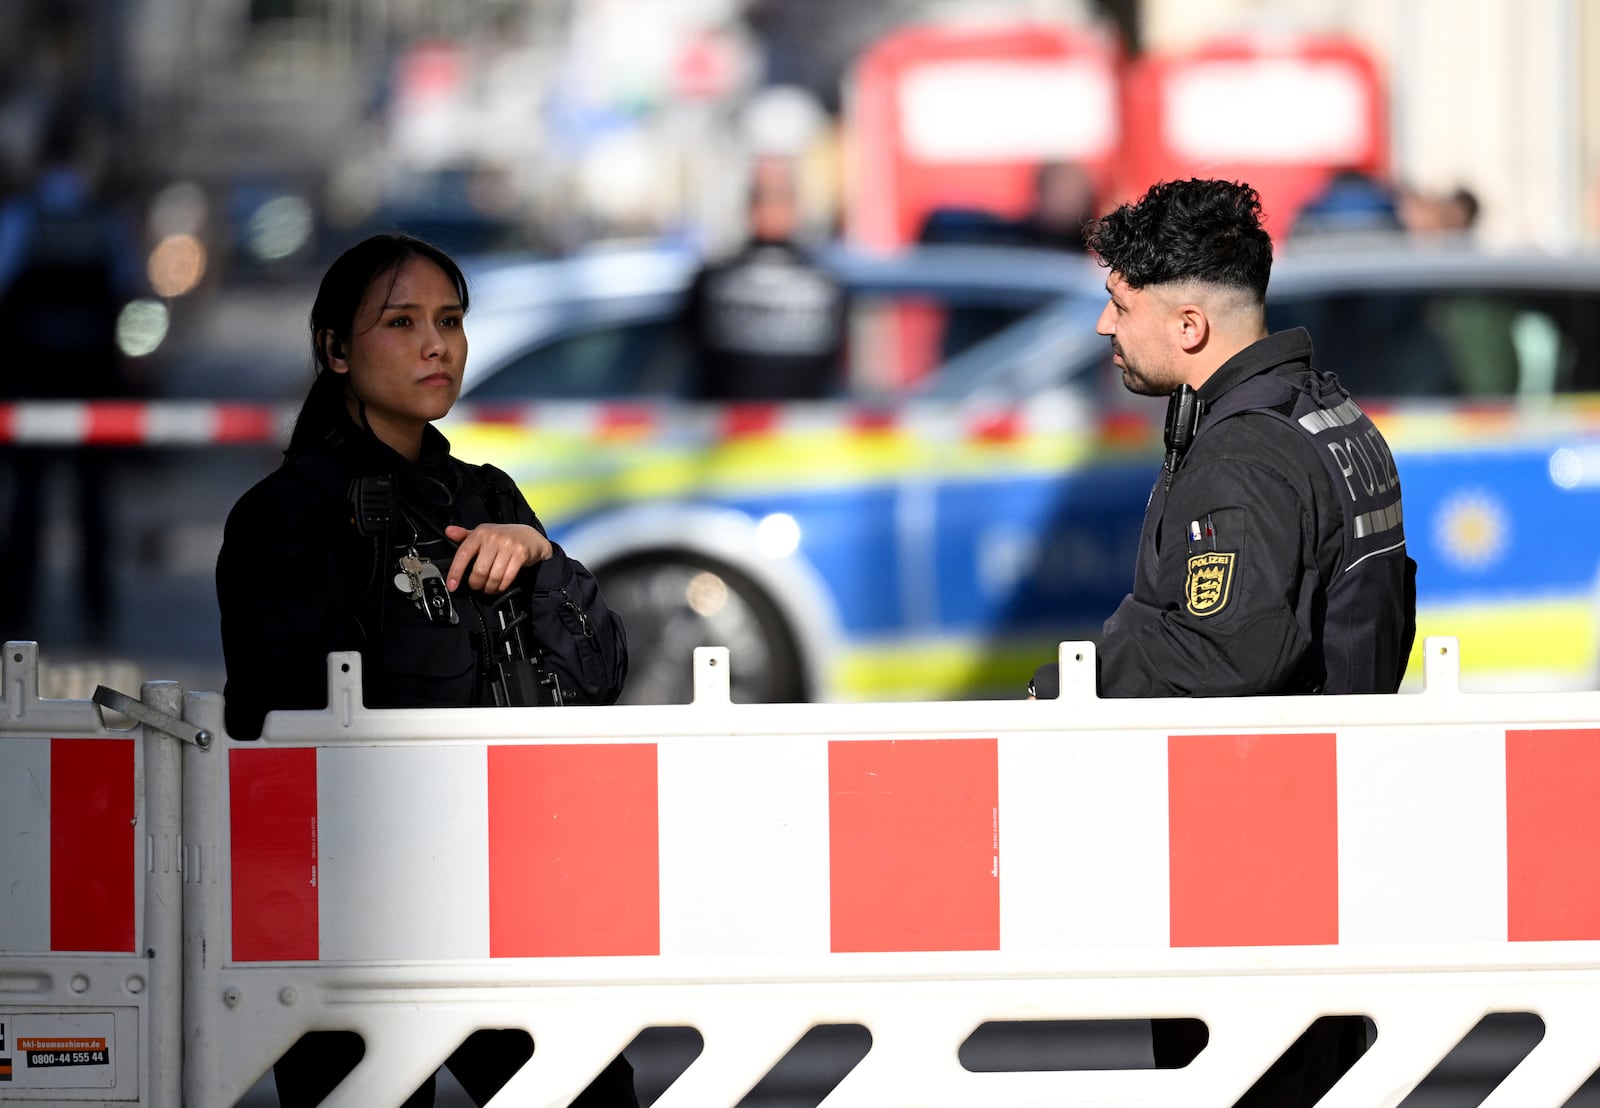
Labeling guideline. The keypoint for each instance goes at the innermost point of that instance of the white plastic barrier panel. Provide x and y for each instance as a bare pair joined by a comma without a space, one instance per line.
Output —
921,870
90,918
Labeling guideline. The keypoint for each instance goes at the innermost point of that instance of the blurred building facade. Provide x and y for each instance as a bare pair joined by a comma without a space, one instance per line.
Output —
1498,96
571,120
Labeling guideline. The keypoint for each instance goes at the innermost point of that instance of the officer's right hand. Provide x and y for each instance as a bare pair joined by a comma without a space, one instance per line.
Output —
497,552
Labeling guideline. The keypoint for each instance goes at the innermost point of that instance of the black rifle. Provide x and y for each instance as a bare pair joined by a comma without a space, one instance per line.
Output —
512,661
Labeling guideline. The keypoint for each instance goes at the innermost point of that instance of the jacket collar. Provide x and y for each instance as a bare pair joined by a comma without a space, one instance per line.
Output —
430,479
1281,348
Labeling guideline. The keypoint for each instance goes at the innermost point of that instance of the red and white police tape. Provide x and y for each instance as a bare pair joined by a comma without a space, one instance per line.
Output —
180,423
140,423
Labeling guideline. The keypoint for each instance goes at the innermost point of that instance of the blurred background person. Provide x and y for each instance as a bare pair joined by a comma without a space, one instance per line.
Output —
1479,331
1063,202
1439,213
768,322
67,266
1352,202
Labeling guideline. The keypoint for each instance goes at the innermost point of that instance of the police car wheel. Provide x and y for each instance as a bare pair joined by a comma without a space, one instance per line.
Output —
671,604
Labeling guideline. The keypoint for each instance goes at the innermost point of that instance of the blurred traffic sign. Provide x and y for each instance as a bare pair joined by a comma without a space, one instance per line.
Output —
962,116
1282,112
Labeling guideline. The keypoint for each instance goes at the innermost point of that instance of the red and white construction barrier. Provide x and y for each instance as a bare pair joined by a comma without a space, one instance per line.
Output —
920,869
90,919
69,811
828,843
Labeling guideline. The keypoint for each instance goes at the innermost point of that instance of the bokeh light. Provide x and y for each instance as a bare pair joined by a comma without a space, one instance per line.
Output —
706,594
142,327
180,208
176,265
778,535
279,227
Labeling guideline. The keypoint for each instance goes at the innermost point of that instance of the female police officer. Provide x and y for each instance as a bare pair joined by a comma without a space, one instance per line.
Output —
372,537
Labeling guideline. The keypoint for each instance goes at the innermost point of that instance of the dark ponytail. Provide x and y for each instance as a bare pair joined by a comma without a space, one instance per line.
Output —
321,413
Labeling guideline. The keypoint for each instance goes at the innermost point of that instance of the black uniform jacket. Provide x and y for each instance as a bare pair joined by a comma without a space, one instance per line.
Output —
767,324
1250,575
296,580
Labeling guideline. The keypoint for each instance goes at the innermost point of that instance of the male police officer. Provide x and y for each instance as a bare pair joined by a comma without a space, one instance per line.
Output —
1272,557
768,323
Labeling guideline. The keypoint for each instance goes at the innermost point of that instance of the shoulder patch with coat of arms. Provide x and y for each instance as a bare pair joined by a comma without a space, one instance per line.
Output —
1209,583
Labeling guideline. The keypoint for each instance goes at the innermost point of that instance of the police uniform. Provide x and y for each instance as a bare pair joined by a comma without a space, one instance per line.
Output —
298,578
768,324
1272,558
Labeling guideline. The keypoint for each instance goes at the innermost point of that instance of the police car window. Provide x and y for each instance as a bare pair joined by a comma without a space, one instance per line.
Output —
1378,341
1484,343
1054,347
1513,342
898,339
647,359
1555,338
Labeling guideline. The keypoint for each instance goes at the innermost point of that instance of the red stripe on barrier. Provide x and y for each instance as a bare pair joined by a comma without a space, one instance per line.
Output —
1254,840
507,415
115,423
8,423
93,811
574,851
997,427
914,845
1123,430
865,420
1552,835
626,420
272,796
741,420
238,423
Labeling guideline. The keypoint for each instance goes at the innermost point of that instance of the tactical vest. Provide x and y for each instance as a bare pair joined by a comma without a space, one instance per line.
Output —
505,650
1369,623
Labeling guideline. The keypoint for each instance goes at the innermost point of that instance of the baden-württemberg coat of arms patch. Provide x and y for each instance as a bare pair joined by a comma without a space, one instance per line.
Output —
1210,580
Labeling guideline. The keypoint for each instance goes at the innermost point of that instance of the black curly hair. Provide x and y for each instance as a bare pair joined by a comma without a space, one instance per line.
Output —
1194,230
